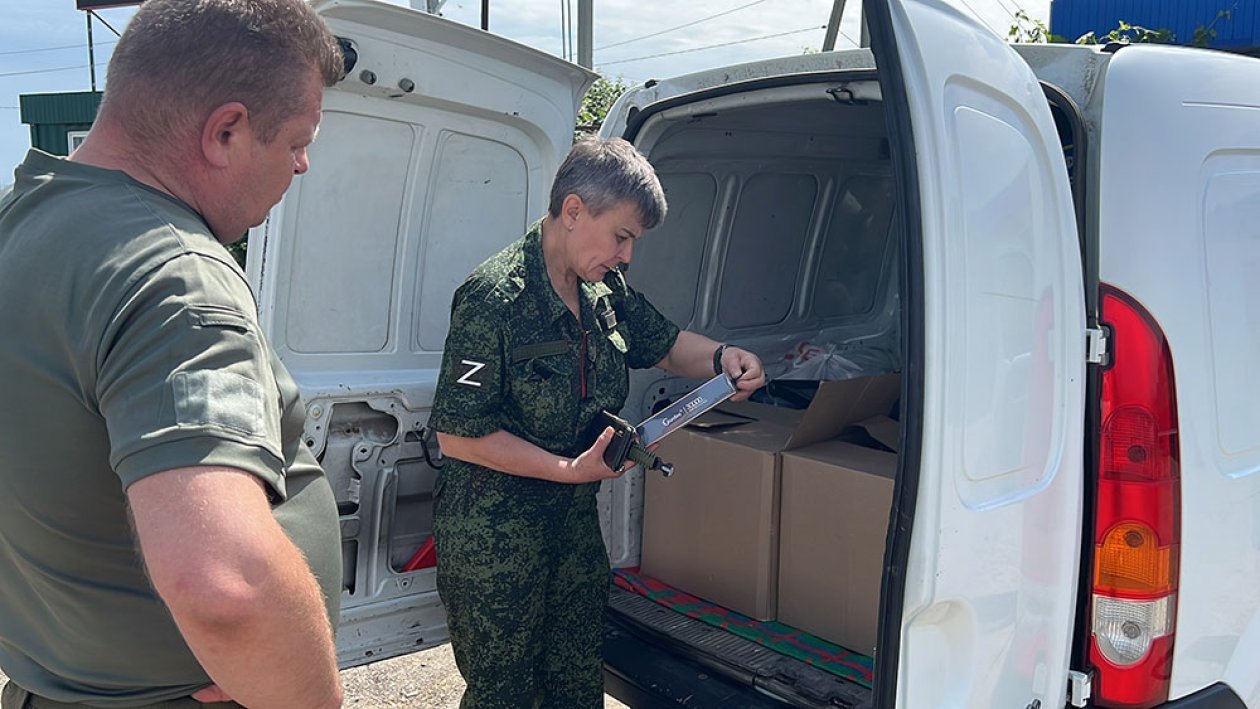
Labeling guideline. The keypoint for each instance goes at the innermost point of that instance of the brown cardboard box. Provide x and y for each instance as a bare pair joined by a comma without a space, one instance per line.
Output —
712,528
835,503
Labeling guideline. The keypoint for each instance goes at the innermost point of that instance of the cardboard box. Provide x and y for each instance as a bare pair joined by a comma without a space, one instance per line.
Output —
836,498
712,529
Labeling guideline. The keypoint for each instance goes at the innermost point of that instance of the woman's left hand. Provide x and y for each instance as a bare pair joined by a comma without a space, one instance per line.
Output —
745,368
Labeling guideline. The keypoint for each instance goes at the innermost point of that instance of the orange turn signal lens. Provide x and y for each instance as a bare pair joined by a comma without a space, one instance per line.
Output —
1130,561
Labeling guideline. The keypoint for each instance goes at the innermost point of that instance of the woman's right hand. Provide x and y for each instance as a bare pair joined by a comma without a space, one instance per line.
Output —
589,466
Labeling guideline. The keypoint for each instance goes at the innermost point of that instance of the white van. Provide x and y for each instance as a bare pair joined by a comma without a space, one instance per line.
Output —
1055,247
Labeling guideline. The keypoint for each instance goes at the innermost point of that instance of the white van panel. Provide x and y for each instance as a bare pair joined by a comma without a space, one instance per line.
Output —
990,591
1010,270
1178,232
1231,231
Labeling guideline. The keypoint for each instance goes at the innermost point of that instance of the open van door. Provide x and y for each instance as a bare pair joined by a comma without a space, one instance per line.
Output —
979,593
435,151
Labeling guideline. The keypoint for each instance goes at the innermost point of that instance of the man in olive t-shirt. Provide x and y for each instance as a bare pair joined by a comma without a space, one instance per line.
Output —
165,538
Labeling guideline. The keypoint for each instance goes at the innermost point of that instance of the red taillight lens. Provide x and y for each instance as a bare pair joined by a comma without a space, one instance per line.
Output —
1137,522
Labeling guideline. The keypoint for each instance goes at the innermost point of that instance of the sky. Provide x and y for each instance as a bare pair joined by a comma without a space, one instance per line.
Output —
43,43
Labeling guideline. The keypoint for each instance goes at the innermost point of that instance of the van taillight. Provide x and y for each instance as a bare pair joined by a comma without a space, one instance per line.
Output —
1137,528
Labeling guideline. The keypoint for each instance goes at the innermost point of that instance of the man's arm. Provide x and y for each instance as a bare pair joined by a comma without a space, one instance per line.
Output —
239,590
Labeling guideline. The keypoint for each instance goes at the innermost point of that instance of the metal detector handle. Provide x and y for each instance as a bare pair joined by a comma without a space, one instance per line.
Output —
625,445
650,460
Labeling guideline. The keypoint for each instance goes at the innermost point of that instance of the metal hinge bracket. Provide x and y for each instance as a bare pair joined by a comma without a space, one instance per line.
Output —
1096,341
1080,688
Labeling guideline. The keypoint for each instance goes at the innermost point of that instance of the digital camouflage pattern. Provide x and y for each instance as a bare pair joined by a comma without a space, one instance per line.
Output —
522,567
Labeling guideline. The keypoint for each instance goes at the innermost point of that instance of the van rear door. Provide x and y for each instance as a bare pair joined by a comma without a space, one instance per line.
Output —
979,595
435,151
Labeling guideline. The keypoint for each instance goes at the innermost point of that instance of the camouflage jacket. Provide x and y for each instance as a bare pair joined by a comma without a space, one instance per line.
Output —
516,359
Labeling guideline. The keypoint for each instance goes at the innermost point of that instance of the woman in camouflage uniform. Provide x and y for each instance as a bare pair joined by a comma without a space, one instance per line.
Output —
541,337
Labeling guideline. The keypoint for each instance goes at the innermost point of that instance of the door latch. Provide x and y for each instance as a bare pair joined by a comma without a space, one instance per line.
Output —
1096,341
1080,688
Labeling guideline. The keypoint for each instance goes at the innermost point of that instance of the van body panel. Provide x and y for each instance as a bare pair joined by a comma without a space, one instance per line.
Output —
991,576
1179,187
355,269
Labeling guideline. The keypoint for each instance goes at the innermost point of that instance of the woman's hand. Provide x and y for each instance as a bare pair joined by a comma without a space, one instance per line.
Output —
745,368
589,466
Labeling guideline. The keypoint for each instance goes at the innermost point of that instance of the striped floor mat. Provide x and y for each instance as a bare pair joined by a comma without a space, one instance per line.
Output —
781,638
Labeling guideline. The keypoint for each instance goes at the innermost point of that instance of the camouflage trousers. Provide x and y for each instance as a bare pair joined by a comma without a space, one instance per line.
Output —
524,575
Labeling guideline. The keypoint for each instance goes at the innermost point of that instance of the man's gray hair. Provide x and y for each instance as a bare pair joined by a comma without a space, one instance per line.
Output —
605,172
179,60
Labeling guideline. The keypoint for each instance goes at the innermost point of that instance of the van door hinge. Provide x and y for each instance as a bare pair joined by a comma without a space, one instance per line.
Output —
1096,346
1080,688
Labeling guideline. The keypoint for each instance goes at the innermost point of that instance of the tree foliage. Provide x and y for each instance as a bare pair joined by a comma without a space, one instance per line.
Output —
1027,29
599,98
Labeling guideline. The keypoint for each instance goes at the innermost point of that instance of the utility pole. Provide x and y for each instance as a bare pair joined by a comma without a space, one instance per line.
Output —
485,15
91,51
833,25
586,33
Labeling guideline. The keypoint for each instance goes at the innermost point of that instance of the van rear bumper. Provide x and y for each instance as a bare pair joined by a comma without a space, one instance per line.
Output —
645,676
1217,696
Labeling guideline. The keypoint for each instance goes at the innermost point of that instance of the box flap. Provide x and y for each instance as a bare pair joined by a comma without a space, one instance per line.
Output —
884,430
840,403
719,419
744,423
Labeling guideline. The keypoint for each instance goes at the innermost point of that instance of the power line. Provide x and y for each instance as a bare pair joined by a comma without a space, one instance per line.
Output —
671,29
815,28
52,49
100,19
47,71
980,17
1007,10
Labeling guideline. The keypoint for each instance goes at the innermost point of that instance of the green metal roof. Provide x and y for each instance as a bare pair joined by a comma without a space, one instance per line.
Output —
59,109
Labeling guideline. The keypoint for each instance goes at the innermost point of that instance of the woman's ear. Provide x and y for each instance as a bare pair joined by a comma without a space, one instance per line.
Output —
571,210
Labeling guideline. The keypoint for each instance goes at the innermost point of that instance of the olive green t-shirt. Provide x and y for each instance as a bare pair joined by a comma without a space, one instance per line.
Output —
129,345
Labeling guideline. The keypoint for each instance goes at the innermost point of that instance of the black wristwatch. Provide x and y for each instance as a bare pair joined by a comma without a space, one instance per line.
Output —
717,358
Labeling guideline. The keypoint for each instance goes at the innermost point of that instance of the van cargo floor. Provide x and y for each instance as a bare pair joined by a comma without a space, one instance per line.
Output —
770,656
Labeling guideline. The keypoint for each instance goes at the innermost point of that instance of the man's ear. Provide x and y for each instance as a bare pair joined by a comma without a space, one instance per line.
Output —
224,133
571,208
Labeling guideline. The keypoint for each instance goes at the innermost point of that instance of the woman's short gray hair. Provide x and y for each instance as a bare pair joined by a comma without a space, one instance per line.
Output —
605,172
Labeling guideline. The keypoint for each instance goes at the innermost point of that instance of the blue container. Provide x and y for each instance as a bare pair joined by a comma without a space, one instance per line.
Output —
1239,32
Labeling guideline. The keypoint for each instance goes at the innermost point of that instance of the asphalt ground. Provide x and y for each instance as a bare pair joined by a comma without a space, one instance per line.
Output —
424,680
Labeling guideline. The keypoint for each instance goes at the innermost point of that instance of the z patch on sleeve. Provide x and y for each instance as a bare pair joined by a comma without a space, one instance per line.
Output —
471,373
219,398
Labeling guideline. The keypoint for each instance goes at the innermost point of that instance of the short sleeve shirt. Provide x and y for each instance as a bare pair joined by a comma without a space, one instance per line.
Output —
516,358
131,346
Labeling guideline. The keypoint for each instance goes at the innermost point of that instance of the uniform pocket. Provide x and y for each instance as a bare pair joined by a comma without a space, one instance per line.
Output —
543,392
